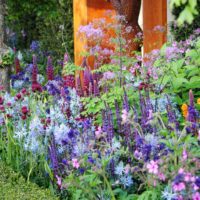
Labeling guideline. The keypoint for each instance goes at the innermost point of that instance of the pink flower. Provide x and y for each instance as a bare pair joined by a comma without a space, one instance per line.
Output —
98,132
161,176
75,163
185,155
109,75
181,171
124,116
59,181
199,135
179,187
152,167
196,196
127,169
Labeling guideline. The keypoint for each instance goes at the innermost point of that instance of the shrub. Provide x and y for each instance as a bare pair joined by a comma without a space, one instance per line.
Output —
14,187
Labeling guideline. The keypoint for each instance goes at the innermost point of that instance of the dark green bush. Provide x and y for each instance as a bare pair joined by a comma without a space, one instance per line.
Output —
49,21
184,31
14,187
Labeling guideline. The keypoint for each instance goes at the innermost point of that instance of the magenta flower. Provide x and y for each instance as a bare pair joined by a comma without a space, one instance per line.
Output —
196,196
185,154
75,163
98,132
152,167
179,187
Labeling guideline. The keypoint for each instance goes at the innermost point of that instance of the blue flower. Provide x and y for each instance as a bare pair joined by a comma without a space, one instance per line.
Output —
119,169
126,180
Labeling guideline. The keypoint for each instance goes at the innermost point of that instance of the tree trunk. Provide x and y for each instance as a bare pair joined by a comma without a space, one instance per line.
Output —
131,10
4,71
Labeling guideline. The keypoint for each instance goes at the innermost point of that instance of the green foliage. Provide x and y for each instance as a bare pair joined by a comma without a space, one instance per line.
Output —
188,28
14,187
189,10
6,59
70,69
50,23
180,77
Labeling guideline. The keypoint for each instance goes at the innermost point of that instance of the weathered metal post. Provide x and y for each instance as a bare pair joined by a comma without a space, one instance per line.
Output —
130,9
4,70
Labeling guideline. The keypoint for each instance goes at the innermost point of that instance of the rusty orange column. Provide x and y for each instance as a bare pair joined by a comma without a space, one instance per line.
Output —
84,12
154,14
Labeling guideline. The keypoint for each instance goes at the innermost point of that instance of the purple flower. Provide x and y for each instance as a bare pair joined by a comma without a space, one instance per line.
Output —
50,72
35,46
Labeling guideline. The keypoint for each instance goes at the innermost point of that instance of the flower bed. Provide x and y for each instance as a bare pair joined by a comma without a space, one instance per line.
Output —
129,130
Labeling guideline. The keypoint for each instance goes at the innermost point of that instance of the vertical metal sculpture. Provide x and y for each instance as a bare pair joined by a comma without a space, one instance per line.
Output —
4,70
131,10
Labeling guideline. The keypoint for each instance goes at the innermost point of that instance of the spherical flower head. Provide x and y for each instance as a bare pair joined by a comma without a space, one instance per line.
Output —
198,101
24,110
75,163
152,167
36,87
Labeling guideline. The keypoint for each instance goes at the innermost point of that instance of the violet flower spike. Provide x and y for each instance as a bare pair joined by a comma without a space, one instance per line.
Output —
50,71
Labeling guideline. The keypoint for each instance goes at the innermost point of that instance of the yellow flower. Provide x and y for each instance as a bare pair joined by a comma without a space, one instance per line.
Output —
198,101
184,109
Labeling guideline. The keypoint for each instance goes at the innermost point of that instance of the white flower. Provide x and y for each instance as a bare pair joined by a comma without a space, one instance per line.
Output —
19,55
119,170
60,133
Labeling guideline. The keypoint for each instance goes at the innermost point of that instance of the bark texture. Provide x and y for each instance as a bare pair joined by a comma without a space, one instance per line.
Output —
131,10
4,71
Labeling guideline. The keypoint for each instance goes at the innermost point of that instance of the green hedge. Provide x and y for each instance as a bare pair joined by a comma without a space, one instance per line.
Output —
14,187
48,21
184,31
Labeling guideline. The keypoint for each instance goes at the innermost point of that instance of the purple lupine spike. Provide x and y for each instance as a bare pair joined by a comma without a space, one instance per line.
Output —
96,89
78,86
118,116
86,76
110,130
34,70
148,100
125,102
112,167
53,156
144,116
104,121
171,114
50,71
192,113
